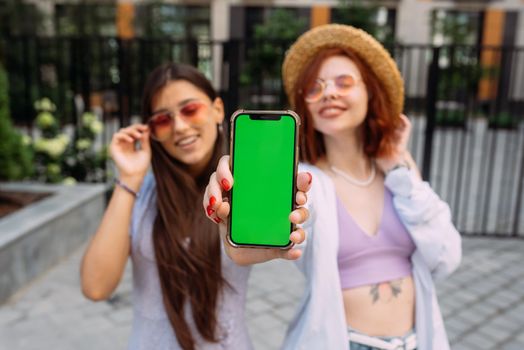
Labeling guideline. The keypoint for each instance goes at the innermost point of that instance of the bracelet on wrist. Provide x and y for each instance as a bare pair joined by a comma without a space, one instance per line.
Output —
128,189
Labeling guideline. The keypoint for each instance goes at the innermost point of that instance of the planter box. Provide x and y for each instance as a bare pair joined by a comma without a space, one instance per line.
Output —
36,237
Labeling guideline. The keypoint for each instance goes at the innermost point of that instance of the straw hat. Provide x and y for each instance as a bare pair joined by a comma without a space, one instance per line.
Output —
309,44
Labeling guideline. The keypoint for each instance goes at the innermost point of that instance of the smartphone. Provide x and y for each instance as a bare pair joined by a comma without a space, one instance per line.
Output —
264,157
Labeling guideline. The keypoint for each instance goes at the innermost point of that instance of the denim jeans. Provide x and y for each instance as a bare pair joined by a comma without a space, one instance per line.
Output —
356,346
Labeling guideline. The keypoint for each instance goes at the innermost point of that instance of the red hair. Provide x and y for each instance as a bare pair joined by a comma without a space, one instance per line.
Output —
379,127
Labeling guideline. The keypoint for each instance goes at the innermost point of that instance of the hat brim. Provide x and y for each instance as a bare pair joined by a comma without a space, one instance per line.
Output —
377,58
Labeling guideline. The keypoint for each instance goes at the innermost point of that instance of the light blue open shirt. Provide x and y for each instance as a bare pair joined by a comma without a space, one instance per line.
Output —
320,322
151,329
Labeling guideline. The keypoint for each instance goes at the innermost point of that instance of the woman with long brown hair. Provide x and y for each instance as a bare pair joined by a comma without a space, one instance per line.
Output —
378,235
187,294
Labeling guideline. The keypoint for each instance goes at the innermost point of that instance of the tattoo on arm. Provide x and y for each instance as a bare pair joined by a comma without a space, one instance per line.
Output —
374,293
386,290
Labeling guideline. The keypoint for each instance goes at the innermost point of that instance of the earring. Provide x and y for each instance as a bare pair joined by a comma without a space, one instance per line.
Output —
220,128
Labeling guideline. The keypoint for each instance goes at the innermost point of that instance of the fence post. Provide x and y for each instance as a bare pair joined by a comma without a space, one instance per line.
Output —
85,71
431,111
123,83
192,51
233,79
27,81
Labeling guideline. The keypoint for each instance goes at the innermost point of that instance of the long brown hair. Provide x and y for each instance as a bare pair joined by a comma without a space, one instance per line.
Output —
186,243
379,127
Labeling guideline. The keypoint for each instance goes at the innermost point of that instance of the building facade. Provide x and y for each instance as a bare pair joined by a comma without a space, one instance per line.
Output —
428,23
501,21
420,22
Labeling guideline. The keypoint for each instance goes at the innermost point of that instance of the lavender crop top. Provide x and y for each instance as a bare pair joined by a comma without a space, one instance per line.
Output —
364,259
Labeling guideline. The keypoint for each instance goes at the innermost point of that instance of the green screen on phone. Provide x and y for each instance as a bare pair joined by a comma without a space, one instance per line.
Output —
263,168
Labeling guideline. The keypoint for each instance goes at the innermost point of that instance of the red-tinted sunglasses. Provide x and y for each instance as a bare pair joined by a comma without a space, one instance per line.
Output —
161,124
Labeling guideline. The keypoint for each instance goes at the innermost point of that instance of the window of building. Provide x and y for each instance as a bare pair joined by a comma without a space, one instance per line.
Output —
85,19
455,27
174,21
244,19
378,21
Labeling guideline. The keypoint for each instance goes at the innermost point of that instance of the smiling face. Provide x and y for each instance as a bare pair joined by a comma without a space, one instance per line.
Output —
194,133
337,112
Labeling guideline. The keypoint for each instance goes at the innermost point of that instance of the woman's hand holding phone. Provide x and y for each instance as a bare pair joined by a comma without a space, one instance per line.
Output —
217,209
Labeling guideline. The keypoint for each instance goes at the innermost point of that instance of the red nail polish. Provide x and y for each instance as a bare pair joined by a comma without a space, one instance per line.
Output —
217,220
212,201
225,184
310,178
209,211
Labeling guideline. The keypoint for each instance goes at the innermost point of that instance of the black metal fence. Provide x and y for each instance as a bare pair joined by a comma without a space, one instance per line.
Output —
466,104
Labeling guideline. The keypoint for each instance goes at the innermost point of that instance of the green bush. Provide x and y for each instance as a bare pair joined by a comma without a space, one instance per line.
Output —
15,154
60,159
451,117
503,120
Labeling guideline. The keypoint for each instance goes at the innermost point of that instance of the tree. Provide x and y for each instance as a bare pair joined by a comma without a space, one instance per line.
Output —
454,27
363,14
271,39
20,18
359,14
15,154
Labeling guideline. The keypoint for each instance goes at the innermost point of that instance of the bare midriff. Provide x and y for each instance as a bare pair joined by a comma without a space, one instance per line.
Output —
386,309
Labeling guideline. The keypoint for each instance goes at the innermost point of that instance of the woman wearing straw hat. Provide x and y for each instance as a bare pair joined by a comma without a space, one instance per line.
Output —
378,235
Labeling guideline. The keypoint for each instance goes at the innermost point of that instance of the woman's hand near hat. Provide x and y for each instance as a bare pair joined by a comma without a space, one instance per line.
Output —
217,209
401,155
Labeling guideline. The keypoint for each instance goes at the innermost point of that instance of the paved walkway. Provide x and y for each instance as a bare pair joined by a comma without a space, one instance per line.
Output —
483,305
